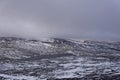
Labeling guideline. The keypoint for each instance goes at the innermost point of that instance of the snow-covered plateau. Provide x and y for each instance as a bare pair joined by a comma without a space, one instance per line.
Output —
58,59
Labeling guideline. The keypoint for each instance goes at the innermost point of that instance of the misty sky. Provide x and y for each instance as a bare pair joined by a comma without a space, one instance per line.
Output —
81,19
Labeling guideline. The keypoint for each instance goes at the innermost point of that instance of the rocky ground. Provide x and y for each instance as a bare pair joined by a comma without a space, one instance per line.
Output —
58,59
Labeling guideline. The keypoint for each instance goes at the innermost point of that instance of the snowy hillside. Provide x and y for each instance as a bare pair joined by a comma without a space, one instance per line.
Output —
58,59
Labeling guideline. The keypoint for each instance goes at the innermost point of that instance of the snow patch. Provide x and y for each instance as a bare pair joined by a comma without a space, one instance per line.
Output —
11,77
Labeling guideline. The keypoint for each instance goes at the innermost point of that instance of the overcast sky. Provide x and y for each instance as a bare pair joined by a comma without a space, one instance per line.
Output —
81,19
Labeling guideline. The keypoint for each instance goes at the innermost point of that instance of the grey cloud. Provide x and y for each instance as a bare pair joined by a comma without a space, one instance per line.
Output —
83,19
